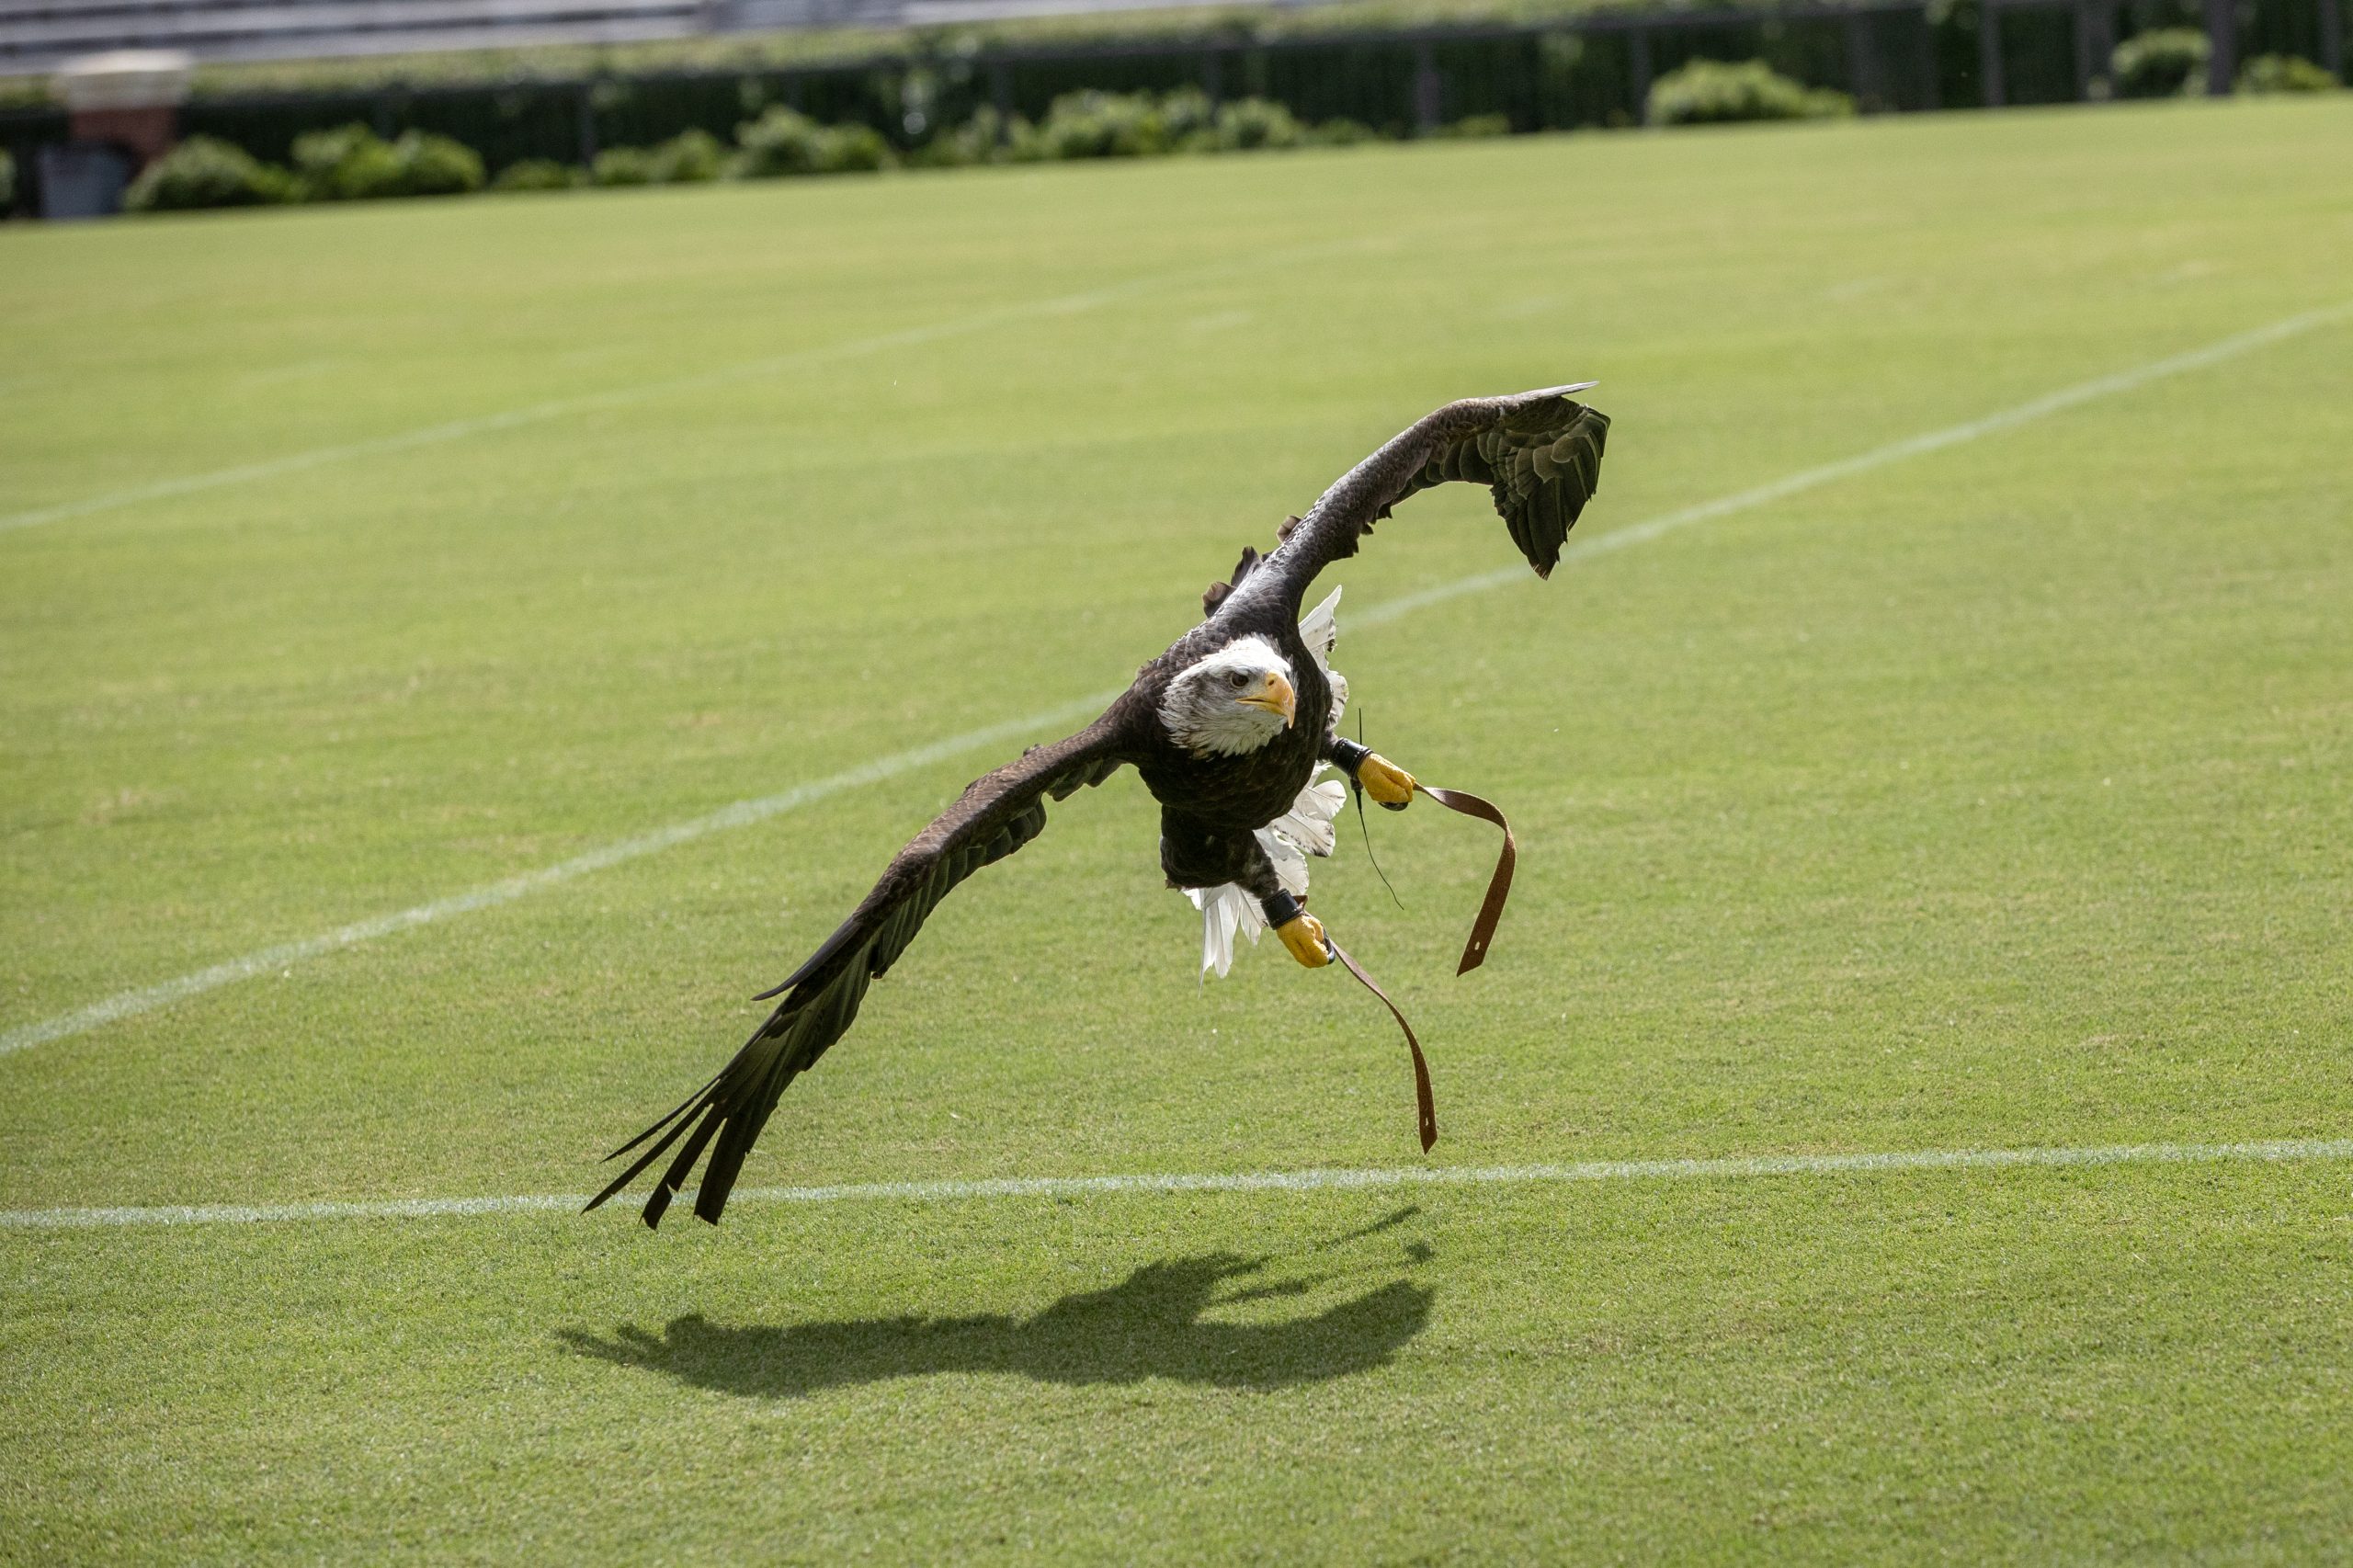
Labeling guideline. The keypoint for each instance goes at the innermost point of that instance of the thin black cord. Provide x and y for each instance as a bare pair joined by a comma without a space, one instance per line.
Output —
1356,787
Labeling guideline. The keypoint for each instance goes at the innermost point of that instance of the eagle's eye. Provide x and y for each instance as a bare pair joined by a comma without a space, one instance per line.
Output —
1237,680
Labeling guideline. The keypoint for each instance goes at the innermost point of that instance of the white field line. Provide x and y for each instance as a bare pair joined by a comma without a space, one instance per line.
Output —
743,813
129,1004
1735,1168
1881,457
701,381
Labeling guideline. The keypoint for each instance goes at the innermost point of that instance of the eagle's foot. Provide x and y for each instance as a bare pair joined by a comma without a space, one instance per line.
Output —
1303,937
1386,782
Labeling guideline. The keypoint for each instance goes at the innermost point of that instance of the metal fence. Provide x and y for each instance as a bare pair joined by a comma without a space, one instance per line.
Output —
1591,73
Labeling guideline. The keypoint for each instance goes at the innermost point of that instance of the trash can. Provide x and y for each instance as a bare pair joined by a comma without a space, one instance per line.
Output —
84,179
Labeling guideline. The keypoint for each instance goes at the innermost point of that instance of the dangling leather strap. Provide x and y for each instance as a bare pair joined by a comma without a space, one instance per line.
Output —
1423,1101
1483,930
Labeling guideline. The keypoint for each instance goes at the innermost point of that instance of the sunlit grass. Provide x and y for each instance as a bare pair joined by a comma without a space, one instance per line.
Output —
1992,799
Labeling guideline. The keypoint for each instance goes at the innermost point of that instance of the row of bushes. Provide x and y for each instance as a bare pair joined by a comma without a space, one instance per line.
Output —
352,163
1709,92
778,143
783,142
2283,74
2166,63
2171,62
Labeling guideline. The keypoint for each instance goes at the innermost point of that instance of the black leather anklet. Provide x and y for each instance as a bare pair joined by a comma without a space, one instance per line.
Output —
1347,755
1280,909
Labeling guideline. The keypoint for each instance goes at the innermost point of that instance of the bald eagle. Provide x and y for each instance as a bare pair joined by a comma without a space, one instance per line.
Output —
1230,729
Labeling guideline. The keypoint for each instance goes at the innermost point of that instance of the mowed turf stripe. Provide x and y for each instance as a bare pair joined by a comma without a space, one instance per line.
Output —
700,380
1313,1180
129,1004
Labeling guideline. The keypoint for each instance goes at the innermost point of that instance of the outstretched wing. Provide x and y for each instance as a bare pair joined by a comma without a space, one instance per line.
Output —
1537,452
995,815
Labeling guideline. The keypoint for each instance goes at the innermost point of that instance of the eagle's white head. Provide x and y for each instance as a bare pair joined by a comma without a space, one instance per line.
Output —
1234,701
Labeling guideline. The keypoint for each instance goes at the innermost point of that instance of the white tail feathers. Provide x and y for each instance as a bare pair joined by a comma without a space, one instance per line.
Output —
1306,829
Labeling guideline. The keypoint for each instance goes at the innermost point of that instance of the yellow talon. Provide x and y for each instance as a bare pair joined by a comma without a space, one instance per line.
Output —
1385,781
1305,938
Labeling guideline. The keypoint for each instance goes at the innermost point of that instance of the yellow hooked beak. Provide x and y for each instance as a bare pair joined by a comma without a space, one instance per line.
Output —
1277,697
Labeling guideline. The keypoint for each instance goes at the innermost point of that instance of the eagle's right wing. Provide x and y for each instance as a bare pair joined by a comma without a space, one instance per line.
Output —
998,814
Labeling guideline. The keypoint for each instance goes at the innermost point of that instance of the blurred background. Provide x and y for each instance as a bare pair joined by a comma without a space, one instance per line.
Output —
159,103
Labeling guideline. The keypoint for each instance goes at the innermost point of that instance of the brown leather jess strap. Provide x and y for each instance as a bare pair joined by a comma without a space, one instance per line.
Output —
1474,952
1424,1102
1491,911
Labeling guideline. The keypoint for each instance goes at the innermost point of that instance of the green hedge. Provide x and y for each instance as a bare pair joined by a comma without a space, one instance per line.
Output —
689,158
351,163
2164,64
2284,74
202,172
784,141
536,174
1711,92
1253,124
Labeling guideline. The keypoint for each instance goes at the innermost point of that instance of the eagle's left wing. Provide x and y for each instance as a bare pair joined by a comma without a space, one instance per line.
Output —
998,814
1537,452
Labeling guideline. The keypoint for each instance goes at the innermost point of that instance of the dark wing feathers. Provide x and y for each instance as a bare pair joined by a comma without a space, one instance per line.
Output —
997,815
1540,469
1539,453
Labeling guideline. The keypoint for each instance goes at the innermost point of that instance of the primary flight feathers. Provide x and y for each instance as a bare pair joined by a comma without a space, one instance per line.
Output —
1540,454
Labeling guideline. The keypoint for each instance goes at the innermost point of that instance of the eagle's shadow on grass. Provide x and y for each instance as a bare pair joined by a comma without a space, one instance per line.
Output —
1149,1326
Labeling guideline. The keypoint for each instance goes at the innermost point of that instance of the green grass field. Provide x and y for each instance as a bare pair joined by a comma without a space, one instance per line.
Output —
1989,796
